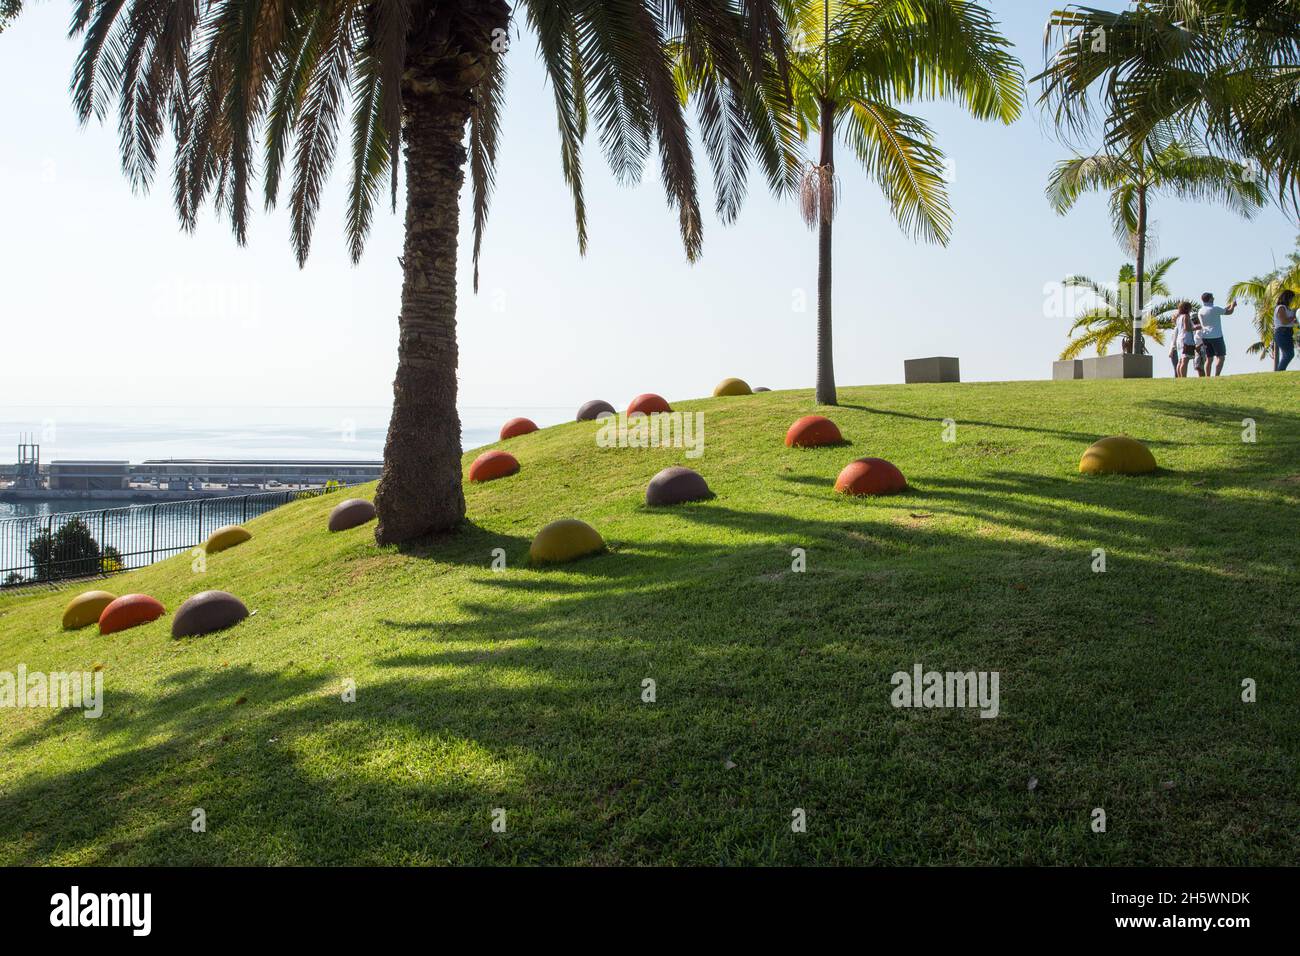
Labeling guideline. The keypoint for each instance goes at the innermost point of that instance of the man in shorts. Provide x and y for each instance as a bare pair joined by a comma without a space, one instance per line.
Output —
1211,317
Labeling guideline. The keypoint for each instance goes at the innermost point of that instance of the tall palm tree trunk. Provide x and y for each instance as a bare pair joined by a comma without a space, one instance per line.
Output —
1139,344
825,350
420,488
449,47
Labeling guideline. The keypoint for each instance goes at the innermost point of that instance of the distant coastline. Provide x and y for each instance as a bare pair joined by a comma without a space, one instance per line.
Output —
138,433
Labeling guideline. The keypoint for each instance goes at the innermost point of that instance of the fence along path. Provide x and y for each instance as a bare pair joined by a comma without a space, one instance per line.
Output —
37,548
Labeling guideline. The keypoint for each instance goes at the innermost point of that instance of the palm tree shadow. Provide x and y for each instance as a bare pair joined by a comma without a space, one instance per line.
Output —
470,545
1060,433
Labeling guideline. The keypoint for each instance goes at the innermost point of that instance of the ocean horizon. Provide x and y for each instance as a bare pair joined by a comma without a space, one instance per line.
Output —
137,433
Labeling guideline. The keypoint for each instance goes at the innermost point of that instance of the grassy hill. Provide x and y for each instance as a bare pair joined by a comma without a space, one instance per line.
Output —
521,689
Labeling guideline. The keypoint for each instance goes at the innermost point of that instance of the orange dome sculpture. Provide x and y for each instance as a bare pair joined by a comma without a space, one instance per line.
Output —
493,464
516,427
648,404
870,476
128,611
813,431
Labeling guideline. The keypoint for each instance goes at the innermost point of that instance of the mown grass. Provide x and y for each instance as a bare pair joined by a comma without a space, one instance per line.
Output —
522,689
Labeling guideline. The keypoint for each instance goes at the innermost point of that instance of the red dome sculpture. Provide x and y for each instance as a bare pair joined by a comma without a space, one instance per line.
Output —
493,464
648,404
516,427
813,431
128,611
870,476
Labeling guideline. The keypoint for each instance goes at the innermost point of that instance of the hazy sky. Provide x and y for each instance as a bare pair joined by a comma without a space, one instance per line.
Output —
106,301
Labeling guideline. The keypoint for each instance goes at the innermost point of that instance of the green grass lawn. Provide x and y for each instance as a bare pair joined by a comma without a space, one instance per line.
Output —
522,689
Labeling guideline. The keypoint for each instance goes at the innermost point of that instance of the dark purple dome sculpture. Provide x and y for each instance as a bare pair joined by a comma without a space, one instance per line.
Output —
593,409
672,486
206,612
351,514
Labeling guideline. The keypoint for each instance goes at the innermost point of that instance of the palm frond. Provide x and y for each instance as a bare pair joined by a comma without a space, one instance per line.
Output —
609,48
907,50
668,123
1072,178
372,154
1105,293
9,10
1222,72
897,150
558,47
1158,271
1081,344
484,130
243,84
316,132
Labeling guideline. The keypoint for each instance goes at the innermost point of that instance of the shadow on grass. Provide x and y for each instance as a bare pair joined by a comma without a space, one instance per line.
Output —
773,688
1084,437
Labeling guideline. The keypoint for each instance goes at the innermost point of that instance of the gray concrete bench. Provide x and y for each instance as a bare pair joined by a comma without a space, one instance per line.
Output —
1067,370
1118,366
937,368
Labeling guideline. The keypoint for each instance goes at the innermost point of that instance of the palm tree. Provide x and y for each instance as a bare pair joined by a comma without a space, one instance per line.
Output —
235,80
1222,72
1136,176
1115,316
851,63
1262,292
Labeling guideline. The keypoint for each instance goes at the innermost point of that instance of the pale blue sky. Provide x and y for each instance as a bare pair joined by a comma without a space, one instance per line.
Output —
102,294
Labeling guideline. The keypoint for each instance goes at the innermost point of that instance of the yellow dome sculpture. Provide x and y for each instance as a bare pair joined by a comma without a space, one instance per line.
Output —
732,386
1117,455
565,540
84,609
226,537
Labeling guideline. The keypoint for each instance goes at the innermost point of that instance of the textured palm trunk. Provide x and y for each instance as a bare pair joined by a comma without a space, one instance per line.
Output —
825,349
1139,345
420,489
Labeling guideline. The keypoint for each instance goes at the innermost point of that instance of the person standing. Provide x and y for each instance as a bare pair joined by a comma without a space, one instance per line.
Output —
1184,338
1284,323
1211,317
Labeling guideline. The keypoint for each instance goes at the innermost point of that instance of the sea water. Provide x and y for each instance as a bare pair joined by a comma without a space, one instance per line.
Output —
135,434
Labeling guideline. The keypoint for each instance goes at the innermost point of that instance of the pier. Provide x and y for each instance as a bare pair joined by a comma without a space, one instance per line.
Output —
164,479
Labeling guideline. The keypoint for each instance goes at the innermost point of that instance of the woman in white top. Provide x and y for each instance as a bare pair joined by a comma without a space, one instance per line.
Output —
1185,327
1284,323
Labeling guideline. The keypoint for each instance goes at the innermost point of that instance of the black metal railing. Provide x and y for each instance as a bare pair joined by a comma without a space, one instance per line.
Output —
48,548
